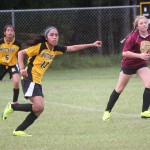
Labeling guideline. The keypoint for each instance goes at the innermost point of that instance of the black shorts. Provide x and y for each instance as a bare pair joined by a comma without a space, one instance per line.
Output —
8,69
132,71
31,89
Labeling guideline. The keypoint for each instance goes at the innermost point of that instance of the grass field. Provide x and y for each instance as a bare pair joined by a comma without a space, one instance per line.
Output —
72,120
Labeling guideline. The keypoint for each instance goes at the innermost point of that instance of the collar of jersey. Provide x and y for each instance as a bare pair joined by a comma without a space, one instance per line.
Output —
9,42
144,36
48,47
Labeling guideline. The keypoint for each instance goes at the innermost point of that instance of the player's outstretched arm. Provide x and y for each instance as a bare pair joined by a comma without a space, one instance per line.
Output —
83,46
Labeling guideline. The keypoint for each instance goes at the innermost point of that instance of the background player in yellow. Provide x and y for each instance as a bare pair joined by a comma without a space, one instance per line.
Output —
41,53
9,48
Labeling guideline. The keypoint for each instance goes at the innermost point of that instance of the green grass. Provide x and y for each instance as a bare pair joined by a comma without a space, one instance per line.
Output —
75,60
72,120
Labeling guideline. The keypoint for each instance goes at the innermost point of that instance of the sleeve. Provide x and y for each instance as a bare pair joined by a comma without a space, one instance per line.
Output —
33,50
129,43
60,49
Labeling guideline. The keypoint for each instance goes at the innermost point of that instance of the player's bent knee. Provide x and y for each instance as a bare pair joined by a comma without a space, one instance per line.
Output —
39,109
16,83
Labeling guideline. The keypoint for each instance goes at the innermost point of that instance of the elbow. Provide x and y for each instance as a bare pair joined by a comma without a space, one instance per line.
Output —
21,54
124,54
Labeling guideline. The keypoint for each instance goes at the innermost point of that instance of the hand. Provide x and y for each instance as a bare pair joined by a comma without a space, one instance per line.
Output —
97,43
24,73
145,56
148,52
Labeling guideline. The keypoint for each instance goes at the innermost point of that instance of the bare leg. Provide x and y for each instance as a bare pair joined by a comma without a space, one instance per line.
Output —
122,82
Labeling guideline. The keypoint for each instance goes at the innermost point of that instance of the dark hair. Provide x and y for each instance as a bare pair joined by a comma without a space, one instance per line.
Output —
36,39
48,29
40,38
6,26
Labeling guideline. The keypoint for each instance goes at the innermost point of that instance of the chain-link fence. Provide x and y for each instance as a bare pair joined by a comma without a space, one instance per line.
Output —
76,25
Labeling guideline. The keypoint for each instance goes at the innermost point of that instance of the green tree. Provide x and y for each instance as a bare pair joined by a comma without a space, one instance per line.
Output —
35,4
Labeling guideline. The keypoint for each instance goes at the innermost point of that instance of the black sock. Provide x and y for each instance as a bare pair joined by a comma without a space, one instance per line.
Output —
27,122
112,100
22,107
16,94
146,99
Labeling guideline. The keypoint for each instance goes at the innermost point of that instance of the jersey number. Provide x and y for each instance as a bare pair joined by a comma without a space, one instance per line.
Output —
6,57
45,64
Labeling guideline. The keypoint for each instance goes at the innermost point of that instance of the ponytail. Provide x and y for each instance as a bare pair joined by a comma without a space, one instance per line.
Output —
122,41
40,38
36,39
135,24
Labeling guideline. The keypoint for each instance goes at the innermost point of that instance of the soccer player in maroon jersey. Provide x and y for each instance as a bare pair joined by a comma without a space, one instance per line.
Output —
41,53
133,62
9,48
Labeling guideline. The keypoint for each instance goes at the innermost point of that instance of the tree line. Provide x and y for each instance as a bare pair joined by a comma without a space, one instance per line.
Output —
39,4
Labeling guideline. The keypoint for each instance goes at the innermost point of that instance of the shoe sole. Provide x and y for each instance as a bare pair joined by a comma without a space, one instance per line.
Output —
3,118
106,119
22,135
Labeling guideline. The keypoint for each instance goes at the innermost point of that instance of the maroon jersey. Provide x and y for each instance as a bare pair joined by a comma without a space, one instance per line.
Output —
133,44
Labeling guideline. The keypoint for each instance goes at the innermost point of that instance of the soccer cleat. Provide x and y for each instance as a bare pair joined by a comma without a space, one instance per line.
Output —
7,111
106,115
145,114
20,133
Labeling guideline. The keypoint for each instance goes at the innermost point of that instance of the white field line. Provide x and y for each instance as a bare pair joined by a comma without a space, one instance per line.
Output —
118,115
114,114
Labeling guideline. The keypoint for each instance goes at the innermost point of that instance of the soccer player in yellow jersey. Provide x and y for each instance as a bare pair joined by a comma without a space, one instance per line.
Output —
9,48
41,53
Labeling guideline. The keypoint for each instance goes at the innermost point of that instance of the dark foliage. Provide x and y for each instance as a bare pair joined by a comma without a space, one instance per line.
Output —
32,4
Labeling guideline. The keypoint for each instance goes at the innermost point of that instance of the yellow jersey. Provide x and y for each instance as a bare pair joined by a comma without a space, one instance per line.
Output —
8,52
40,58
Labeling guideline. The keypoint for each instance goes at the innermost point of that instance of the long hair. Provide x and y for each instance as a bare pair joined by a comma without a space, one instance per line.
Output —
122,41
135,25
40,38
36,39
